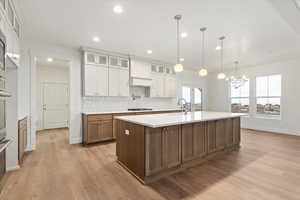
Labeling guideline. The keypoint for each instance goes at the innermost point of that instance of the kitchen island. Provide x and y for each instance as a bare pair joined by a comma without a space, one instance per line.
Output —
156,145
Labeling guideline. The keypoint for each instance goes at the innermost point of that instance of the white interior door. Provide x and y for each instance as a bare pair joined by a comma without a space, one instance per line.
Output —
55,105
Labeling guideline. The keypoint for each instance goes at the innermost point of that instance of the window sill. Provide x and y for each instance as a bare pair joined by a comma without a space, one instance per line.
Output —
271,117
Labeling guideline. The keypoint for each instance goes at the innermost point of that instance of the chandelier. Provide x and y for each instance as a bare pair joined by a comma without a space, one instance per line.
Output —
237,81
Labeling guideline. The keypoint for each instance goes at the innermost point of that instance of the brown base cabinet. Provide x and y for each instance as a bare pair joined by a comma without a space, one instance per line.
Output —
103,127
97,128
152,153
22,138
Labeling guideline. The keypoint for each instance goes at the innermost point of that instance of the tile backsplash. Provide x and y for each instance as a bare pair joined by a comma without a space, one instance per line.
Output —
95,104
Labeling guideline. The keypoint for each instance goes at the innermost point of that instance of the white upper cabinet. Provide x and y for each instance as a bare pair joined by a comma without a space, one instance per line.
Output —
140,69
105,75
164,82
95,80
114,61
124,63
96,59
118,82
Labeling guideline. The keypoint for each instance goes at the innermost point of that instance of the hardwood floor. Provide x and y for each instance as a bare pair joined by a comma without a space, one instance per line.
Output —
266,167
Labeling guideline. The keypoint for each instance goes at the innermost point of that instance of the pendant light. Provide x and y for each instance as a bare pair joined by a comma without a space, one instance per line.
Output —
221,75
203,71
235,80
178,67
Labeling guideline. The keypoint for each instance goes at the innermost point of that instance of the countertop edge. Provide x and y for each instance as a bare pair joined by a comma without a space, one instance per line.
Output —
175,123
126,111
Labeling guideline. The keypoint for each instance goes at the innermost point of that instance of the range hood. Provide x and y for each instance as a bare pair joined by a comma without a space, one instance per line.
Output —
141,82
140,72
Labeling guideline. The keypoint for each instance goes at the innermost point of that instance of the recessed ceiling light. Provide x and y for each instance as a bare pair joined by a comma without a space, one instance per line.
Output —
50,59
218,48
96,39
118,9
184,34
149,51
181,59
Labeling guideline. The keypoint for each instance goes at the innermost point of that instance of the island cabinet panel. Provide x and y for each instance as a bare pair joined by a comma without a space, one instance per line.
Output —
172,144
154,150
211,134
229,132
236,131
163,149
194,141
131,147
220,134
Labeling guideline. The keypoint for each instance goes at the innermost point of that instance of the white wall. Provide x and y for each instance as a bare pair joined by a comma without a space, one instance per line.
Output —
218,97
48,74
30,50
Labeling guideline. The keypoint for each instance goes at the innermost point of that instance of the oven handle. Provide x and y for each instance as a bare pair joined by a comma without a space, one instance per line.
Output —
4,94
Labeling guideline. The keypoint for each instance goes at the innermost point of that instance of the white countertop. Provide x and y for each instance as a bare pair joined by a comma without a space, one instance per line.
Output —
126,111
169,119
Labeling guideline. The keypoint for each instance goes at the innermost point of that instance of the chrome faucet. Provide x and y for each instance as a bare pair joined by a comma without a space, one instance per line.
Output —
184,105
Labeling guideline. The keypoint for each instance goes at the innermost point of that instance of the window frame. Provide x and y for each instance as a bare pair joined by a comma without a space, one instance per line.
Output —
266,115
192,95
241,97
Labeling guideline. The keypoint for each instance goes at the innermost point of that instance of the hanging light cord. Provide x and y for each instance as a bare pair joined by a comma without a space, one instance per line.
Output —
203,61
178,42
222,54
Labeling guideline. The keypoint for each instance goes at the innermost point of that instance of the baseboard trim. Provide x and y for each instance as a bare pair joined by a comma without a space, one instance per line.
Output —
13,168
30,148
76,140
278,131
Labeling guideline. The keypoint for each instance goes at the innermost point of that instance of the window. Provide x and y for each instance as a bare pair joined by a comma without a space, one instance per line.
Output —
193,96
240,98
268,95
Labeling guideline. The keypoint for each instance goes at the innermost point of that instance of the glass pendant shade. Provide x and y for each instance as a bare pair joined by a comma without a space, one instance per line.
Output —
178,68
203,72
237,81
221,76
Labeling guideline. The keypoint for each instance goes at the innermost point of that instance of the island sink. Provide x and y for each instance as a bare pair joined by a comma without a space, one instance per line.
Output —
156,145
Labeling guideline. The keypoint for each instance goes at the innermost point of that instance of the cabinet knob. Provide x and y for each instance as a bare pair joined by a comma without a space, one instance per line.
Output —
126,132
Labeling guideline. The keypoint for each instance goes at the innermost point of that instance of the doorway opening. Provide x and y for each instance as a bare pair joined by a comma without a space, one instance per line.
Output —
52,96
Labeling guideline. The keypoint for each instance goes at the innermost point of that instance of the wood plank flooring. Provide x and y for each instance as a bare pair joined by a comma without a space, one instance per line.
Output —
267,167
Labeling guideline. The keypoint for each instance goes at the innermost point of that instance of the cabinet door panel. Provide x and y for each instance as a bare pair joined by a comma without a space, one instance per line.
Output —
154,150
199,141
102,81
172,144
124,83
187,142
236,130
229,132
114,81
220,134
106,130
90,81
211,133
95,81
93,131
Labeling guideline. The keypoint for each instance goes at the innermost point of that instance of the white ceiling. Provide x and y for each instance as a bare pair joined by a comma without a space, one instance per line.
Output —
255,30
